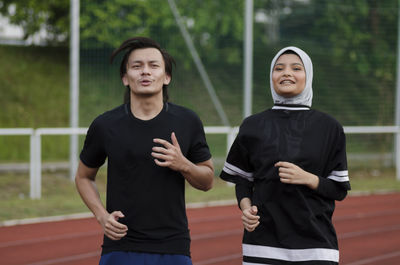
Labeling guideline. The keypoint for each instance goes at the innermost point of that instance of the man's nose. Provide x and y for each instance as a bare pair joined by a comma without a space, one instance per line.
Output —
145,69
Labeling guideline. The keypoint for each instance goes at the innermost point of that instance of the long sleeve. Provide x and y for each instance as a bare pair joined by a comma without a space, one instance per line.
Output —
238,170
336,184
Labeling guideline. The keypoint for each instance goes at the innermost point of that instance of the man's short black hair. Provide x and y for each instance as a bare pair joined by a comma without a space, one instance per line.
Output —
141,43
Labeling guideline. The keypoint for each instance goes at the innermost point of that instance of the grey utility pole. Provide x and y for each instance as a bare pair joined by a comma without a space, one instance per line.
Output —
74,84
248,60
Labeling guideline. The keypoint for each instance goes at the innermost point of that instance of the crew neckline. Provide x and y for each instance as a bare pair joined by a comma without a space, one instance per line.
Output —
129,112
290,107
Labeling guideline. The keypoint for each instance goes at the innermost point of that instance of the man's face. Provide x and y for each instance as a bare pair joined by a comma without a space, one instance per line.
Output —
145,72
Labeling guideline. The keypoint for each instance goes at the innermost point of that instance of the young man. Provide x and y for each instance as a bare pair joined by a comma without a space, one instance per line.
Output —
152,146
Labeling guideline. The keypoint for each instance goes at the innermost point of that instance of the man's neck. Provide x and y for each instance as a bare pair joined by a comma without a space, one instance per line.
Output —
146,108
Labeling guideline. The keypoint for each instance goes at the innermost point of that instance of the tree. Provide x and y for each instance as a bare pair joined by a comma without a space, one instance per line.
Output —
360,36
35,15
218,36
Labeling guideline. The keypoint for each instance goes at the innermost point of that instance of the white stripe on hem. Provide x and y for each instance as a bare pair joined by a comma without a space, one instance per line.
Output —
250,263
235,171
308,254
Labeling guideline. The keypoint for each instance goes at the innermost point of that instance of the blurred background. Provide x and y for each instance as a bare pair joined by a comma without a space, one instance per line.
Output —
353,45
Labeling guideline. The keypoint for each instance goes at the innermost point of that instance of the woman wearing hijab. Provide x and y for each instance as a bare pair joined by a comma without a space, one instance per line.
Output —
289,166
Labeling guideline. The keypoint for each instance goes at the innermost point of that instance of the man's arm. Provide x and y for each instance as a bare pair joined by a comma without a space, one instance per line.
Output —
86,186
200,175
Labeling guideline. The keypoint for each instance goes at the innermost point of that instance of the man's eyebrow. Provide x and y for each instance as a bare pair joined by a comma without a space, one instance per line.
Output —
141,61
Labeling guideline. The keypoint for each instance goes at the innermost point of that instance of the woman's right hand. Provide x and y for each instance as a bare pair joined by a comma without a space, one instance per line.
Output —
112,228
250,218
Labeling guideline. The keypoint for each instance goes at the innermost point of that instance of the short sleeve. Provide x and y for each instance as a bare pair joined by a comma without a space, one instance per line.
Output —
93,153
199,150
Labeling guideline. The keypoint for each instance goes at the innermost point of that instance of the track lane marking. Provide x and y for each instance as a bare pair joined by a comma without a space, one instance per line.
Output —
374,259
67,259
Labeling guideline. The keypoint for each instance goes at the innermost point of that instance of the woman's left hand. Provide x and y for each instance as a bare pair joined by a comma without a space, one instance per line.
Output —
290,173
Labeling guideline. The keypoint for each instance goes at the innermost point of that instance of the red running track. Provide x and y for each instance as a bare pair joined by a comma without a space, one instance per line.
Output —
368,228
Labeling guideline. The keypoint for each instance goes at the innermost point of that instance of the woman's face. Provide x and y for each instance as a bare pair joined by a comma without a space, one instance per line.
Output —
288,75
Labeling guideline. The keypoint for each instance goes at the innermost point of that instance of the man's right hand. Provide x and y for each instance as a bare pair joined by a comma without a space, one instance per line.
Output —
112,228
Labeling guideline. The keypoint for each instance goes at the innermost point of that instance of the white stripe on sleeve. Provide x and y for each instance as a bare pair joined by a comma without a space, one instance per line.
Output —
339,176
235,171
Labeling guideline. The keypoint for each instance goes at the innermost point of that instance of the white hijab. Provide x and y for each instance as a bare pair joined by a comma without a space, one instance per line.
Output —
305,97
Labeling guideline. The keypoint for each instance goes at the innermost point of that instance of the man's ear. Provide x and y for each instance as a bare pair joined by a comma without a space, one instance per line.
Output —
167,80
125,80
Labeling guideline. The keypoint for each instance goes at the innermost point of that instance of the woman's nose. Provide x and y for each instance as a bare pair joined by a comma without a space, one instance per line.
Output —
287,73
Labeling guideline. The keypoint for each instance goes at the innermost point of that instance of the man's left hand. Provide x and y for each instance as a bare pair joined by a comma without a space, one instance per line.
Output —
170,154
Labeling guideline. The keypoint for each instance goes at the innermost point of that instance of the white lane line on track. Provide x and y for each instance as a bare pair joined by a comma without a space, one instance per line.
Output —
67,259
369,232
213,218
374,259
218,259
217,234
97,254
46,219
95,233
211,204
48,238
366,215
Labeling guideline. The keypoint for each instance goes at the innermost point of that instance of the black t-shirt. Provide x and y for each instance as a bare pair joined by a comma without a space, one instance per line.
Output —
295,221
151,197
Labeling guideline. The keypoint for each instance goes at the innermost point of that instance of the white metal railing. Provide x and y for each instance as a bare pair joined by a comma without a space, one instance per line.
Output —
35,163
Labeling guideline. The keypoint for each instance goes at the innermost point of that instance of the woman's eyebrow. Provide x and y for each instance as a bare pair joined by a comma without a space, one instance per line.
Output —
290,64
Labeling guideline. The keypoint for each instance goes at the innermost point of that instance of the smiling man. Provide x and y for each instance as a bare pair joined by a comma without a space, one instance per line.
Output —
152,146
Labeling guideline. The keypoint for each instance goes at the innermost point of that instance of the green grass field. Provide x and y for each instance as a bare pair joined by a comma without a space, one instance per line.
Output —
59,196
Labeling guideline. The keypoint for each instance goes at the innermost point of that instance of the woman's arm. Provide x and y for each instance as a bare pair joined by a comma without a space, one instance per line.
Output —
250,218
290,173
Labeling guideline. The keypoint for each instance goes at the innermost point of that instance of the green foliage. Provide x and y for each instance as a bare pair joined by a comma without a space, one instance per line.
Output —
33,15
215,34
353,47
108,23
